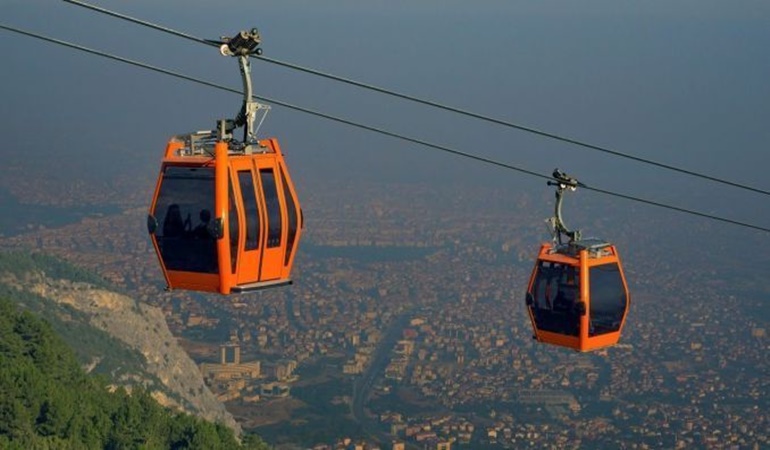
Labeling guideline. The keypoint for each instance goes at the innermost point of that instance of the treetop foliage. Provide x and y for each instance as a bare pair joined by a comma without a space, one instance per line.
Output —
48,402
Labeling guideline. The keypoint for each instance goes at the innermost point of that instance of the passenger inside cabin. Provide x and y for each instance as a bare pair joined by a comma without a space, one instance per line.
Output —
565,303
173,224
202,231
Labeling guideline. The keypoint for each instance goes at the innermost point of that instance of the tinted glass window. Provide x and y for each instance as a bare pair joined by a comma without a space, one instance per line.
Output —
233,225
291,215
608,299
555,293
249,209
273,208
183,211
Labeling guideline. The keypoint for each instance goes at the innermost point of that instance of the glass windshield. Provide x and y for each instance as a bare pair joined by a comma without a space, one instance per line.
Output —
274,225
233,227
183,212
555,294
608,299
249,198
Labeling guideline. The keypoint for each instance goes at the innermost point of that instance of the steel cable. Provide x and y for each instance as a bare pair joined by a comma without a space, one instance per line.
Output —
375,129
433,104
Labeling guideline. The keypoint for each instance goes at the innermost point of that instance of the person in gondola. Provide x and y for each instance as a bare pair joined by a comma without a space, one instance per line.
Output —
202,230
173,225
565,305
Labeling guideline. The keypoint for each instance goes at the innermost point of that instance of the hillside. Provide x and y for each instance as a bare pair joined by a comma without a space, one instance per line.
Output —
48,401
111,333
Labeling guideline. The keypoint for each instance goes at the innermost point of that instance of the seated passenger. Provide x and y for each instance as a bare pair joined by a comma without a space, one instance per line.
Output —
566,304
564,300
202,230
173,225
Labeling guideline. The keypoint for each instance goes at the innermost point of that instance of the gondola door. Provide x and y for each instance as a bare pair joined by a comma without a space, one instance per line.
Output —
250,245
273,215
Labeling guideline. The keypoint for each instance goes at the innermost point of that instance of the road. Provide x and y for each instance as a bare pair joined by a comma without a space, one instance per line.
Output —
363,386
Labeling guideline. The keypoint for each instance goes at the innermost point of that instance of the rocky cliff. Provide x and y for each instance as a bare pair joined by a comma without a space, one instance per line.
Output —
167,371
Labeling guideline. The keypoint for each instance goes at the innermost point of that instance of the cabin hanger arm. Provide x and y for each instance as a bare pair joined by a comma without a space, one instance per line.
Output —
556,223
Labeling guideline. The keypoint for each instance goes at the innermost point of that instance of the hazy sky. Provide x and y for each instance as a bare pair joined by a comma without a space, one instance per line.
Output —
685,83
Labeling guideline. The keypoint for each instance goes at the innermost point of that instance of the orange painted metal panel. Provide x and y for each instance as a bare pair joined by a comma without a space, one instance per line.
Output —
221,206
249,260
585,297
561,340
272,257
153,239
286,181
193,281
173,147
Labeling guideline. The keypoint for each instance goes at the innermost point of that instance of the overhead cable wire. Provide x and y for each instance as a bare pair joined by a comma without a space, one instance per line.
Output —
375,129
273,101
464,112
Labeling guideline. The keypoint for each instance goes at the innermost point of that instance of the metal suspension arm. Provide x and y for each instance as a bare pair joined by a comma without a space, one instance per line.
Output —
241,46
245,117
556,223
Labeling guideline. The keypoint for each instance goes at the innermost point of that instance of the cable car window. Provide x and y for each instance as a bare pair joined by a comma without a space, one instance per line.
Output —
608,299
183,208
556,294
250,210
234,229
273,208
291,214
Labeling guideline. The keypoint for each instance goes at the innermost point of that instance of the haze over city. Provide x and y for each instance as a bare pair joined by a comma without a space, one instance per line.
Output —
432,248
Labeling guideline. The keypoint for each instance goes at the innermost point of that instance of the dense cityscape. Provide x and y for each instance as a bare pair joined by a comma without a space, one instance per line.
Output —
419,137
405,328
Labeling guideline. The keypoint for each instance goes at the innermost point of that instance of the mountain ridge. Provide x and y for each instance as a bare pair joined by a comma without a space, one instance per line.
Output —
159,364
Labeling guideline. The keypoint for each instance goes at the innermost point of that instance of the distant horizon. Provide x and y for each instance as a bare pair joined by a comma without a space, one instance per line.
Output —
601,72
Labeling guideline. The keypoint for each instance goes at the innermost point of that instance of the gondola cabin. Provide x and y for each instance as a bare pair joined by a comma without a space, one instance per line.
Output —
224,221
577,295
225,217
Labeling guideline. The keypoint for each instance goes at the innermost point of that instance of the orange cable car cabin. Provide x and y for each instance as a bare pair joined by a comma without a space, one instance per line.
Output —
225,216
577,296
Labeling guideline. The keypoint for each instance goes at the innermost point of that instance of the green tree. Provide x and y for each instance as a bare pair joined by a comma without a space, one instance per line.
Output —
48,402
